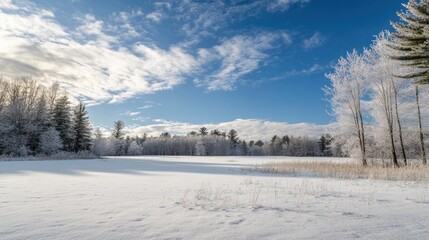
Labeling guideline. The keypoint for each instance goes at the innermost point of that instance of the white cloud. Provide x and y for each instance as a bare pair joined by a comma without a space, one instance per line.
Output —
282,5
124,24
146,106
306,71
91,64
149,104
316,40
248,129
129,113
238,56
155,16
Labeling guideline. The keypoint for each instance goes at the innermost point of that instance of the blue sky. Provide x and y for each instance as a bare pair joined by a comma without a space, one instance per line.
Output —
177,65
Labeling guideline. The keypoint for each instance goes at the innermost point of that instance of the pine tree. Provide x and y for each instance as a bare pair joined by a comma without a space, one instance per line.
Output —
411,43
98,134
259,143
203,131
81,129
165,135
286,140
411,40
275,145
63,122
118,130
244,148
216,132
324,147
192,133
233,138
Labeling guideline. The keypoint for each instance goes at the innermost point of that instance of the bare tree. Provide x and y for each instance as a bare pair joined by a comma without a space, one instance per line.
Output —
381,80
346,94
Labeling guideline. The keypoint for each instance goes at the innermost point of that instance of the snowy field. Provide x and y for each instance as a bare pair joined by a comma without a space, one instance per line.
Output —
200,198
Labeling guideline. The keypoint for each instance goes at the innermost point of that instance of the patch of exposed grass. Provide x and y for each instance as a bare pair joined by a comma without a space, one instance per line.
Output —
418,173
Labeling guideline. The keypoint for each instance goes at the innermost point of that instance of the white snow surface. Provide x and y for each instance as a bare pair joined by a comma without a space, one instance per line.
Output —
200,198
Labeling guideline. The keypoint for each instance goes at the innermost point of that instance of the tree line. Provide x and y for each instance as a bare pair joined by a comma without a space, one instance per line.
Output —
208,143
376,95
39,120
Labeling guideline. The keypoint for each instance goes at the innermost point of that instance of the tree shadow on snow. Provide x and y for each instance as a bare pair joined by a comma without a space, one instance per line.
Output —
123,165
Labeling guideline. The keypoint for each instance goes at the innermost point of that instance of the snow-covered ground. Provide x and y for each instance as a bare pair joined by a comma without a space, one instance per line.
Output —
200,198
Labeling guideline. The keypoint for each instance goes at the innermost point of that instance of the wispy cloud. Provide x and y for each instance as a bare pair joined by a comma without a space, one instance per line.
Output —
248,129
129,113
206,17
282,5
237,57
316,40
149,104
124,24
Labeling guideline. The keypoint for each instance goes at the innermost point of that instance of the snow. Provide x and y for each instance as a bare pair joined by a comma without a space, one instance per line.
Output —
200,198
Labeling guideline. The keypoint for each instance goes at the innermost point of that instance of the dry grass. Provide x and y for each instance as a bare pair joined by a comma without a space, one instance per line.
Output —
418,173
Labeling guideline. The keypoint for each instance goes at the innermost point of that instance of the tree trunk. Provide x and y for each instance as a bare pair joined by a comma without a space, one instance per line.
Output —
422,144
362,139
399,126
392,143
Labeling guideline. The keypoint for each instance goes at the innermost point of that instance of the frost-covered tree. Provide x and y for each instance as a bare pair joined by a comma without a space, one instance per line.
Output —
81,129
62,119
22,118
234,139
50,141
411,47
381,72
118,130
276,146
347,94
325,145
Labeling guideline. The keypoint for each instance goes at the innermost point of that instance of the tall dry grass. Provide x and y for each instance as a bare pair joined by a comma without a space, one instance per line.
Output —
418,173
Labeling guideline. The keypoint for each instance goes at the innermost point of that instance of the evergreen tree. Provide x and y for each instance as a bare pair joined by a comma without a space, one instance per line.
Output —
98,134
244,148
233,138
410,43
41,121
259,143
286,140
203,131
63,122
165,135
411,40
118,132
216,132
275,145
324,145
192,133
81,128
